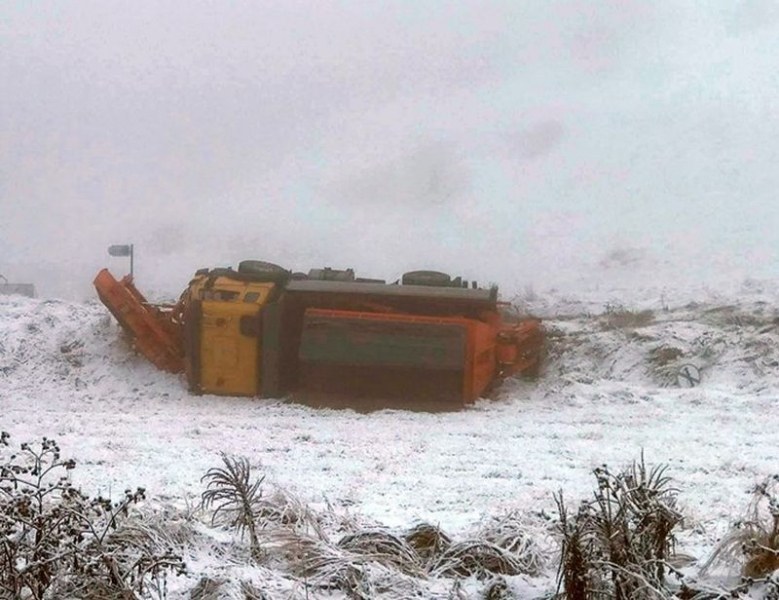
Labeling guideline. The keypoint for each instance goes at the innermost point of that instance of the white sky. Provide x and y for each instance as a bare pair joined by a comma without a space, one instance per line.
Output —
517,142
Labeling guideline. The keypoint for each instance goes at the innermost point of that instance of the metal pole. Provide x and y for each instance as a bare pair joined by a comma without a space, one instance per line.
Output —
131,261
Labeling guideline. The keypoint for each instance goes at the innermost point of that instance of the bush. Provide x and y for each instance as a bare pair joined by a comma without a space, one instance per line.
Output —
235,497
616,316
754,540
54,539
617,545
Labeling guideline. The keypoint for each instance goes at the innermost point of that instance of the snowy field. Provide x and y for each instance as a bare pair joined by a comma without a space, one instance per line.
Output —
608,392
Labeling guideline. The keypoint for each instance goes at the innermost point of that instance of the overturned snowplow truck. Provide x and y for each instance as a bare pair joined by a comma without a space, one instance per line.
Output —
264,331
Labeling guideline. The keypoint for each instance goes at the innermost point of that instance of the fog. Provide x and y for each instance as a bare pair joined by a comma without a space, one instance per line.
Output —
531,143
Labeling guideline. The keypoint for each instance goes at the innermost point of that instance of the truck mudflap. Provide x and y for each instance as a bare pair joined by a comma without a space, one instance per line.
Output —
152,330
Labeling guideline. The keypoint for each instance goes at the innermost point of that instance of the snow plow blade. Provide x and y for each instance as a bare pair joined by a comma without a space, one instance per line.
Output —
152,330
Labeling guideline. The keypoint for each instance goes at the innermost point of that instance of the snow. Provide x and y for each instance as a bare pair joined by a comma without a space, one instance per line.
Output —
606,395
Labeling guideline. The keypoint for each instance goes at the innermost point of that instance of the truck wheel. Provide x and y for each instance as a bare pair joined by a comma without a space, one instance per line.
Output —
261,270
259,266
433,278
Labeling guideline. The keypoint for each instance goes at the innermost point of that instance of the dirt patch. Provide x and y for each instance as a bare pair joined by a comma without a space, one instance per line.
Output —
621,318
664,355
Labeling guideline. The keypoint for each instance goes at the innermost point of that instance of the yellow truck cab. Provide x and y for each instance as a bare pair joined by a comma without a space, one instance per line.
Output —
230,339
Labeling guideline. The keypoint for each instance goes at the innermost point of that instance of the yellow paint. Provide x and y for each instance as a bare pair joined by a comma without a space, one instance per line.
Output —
230,357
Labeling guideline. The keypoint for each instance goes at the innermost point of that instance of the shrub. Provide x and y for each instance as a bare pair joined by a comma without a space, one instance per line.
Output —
754,540
235,498
54,538
617,316
428,541
617,544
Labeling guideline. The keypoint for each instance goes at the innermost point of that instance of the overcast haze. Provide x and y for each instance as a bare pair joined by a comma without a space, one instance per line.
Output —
527,143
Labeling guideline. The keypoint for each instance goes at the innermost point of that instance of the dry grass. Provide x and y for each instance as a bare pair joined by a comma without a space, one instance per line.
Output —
516,534
365,565
428,541
207,589
233,494
165,527
735,316
305,554
252,592
374,561
310,556
619,543
619,317
662,356
385,548
281,508
463,559
617,547
754,541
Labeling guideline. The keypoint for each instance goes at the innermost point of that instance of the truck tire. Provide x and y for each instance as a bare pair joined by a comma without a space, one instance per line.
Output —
432,278
263,271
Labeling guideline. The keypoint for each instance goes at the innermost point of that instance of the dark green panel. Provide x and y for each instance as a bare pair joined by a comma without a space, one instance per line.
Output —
360,342
192,319
270,357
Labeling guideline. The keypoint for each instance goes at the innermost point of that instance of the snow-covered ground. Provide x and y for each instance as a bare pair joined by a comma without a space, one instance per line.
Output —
608,392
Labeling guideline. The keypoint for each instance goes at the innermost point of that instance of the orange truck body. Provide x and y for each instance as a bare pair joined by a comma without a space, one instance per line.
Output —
268,333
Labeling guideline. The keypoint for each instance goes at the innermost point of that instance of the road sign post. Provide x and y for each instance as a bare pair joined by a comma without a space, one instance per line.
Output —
123,250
